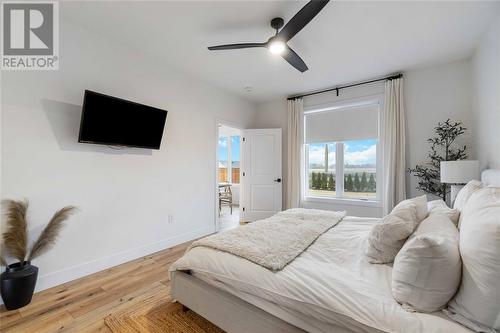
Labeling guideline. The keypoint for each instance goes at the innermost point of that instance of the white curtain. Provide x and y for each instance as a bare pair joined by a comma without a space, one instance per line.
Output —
393,128
295,112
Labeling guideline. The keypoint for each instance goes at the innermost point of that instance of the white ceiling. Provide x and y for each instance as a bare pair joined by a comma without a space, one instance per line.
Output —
346,42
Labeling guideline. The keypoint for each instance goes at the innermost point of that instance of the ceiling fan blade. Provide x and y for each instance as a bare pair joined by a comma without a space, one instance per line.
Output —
294,60
301,19
236,46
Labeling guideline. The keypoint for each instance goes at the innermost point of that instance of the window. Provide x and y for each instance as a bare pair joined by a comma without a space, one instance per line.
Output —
223,160
229,159
321,169
340,153
235,159
360,169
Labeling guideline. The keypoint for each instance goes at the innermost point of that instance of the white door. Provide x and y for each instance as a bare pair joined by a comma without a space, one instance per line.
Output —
261,173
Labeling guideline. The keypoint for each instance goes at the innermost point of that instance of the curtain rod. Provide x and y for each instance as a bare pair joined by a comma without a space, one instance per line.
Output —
392,77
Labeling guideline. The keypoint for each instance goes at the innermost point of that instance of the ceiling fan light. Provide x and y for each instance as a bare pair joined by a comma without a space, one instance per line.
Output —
277,47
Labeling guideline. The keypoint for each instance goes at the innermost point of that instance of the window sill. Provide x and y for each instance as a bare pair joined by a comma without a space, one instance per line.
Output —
345,201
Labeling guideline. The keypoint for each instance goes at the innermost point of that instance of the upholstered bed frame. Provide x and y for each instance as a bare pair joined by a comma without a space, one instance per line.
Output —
227,311
233,314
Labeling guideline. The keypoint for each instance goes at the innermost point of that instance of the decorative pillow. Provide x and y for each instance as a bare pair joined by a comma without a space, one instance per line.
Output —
465,193
439,207
477,302
420,204
388,236
427,270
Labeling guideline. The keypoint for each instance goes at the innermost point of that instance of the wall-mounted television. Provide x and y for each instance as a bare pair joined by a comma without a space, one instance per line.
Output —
114,121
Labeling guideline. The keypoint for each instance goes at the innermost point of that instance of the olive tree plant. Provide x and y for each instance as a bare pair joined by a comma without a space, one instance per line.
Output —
443,148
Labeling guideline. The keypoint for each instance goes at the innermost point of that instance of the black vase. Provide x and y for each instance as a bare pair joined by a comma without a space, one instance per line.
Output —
17,284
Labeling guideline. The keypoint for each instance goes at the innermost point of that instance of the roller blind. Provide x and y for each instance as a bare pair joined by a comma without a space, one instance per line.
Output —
342,124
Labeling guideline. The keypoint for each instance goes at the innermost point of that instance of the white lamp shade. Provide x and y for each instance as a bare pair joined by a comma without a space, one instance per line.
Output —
459,172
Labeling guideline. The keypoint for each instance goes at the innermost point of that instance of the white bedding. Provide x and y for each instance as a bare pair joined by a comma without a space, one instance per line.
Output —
331,283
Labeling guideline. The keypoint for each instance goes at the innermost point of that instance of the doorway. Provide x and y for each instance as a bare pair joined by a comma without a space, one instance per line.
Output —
228,177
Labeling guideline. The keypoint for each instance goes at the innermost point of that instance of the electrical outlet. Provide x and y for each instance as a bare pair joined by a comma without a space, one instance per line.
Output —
170,219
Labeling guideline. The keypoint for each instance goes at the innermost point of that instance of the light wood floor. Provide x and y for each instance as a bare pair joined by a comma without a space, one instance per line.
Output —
81,305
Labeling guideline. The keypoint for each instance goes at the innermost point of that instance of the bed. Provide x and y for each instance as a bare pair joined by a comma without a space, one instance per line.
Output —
329,288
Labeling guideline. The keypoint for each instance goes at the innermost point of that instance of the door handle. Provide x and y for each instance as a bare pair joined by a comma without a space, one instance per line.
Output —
278,180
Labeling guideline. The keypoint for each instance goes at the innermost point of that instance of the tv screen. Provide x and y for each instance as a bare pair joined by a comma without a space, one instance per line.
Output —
110,120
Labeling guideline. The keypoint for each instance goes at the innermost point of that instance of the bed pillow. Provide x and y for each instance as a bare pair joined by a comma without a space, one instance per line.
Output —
465,193
388,236
426,272
439,207
420,205
477,302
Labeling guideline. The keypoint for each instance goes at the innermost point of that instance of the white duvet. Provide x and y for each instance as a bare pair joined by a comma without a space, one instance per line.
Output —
331,283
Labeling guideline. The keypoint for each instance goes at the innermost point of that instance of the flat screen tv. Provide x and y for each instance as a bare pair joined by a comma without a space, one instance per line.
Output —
114,121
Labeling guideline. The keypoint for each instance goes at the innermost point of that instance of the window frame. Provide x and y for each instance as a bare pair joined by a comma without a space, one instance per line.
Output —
375,100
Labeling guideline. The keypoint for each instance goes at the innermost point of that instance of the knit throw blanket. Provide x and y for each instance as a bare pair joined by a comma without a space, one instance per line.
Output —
276,241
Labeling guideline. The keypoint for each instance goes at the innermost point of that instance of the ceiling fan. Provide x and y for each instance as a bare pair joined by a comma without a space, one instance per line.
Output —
278,43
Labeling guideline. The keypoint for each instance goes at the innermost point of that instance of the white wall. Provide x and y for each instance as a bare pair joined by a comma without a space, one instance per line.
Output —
125,196
486,98
431,95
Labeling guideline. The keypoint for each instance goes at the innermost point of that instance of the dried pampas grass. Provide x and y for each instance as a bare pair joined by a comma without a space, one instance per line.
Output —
16,237
49,235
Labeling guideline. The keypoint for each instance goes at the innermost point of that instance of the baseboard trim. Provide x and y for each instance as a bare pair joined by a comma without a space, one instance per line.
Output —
72,273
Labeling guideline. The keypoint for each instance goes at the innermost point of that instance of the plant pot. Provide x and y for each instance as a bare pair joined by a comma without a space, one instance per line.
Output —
17,284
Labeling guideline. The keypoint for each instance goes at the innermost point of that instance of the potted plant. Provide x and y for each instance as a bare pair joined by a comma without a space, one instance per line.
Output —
443,148
17,282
